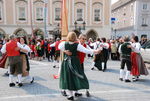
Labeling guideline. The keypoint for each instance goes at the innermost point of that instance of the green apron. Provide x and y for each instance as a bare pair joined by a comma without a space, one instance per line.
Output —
72,76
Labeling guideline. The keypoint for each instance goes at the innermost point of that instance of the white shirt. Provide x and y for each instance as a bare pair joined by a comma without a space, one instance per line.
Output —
96,45
80,48
53,45
136,47
3,50
26,47
105,45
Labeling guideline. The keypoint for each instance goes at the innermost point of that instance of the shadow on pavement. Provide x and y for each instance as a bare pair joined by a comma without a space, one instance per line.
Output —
145,82
92,98
115,71
37,78
38,89
121,86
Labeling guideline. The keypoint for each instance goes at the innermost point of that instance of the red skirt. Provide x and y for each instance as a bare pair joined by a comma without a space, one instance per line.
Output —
3,61
134,61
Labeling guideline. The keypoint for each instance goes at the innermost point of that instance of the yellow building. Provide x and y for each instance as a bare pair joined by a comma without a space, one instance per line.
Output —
26,17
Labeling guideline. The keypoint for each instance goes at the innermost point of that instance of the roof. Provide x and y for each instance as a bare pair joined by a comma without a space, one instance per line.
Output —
120,3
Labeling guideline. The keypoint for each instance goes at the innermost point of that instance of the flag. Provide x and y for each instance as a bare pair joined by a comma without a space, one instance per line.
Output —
64,19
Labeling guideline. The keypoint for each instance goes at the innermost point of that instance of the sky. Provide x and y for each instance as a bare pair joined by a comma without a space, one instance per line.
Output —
113,1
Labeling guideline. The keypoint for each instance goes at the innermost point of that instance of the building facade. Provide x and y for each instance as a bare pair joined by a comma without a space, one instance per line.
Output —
36,17
132,17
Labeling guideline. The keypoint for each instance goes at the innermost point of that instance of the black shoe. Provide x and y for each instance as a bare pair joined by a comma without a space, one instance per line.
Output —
63,93
20,84
77,94
54,66
70,98
11,84
127,80
134,79
6,74
104,70
92,68
32,80
121,79
88,94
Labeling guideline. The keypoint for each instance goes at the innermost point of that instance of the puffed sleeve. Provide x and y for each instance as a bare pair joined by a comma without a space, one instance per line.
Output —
3,50
61,46
27,48
84,50
52,45
19,45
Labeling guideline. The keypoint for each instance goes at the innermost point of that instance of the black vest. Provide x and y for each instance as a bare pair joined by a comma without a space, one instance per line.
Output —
126,52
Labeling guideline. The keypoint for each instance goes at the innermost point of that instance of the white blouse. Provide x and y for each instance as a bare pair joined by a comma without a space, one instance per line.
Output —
26,47
136,47
80,48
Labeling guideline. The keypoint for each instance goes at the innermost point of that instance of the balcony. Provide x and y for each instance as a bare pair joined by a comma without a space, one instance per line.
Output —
144,25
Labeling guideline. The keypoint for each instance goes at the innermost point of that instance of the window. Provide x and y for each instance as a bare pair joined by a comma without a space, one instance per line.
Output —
57,14
144,22
39,14
79,14
144,6
97,15
132,8
0,12
22,13
132,20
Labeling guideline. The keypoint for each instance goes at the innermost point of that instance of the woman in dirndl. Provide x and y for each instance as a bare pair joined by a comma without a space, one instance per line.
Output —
138,66
72,77
25,62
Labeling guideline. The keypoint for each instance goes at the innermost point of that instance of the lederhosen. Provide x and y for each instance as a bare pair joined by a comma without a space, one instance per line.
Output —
14,58
126,56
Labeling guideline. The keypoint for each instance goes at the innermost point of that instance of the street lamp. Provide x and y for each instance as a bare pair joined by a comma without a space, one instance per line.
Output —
115,30
78,26
45,18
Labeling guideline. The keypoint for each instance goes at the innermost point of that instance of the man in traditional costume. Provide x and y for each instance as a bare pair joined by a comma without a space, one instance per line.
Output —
126,59
97,61
13,48
82,39
57,52
104,55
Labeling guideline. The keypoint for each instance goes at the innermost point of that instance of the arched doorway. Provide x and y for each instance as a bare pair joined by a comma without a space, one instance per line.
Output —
20,32
38,33
92,34
77,32
2,34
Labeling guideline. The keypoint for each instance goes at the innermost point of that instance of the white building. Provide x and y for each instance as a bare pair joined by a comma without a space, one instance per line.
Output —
132,18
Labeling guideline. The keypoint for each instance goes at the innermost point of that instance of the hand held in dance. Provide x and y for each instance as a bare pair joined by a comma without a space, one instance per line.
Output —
97,51
68,52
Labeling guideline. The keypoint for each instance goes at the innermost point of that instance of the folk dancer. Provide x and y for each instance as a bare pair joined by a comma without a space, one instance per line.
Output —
97,62
82,39
25,62
13,48
57,53
71,70
138,66
104,53
125,50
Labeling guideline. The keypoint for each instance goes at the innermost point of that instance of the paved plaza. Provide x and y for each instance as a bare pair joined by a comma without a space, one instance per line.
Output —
104,86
